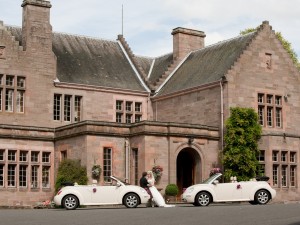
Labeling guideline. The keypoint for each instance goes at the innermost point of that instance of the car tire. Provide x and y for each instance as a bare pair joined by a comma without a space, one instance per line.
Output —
203,199
253,202
70,202
262,197
131,200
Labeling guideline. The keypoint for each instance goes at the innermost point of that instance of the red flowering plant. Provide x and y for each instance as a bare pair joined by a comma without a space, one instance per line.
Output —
157,171
214,171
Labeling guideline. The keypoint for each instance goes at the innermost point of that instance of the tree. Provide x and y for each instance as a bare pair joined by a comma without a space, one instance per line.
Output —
241,147
286,45
70,171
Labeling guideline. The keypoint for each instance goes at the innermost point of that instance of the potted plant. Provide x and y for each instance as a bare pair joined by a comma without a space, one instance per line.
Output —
96,171
171,192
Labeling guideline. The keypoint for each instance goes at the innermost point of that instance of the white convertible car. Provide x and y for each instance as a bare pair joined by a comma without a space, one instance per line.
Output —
71,197
255,192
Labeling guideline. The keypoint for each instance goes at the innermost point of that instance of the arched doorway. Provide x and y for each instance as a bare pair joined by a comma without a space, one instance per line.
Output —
188,168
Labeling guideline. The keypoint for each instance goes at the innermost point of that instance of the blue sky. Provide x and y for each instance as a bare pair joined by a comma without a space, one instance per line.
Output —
147,24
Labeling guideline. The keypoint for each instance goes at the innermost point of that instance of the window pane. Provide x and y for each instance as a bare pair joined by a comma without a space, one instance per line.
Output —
77,109
46,157
23,156
56,107
20,101
1,175
23,176
275,175
119,117
278,117
270,116
138,107
1,154
9,80
67,108
260,98
21,82
119,105
34,156
11,175
46,177
34,176
9,100
11,155
284,176
128,106
107,164
293,176
128,118
261,112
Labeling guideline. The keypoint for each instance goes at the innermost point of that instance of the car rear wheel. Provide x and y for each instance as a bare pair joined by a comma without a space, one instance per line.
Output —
131,200
203,199
70,202
262,197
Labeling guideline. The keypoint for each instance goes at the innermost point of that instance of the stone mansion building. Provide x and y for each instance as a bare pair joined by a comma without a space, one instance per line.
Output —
76,97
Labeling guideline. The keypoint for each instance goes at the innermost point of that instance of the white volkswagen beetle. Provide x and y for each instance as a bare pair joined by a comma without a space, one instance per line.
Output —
71,197
210,190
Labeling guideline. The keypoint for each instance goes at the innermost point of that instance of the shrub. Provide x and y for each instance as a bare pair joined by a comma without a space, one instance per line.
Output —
172,190
70,171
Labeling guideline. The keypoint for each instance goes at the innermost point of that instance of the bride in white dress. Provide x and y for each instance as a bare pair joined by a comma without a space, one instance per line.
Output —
157,197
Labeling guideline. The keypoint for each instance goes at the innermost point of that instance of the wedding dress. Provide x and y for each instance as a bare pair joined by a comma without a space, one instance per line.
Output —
157,197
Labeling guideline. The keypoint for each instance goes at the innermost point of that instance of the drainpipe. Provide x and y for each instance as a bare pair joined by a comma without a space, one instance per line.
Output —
222,116
127,163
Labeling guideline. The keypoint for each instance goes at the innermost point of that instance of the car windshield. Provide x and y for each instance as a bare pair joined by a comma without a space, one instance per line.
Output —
121,179
211,179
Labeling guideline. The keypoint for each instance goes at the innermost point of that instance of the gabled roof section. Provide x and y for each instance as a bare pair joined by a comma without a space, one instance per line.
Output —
207,65
90,61
160,66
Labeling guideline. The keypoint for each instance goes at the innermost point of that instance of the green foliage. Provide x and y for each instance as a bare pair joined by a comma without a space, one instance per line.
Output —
286,45
172,190
70,171
241,149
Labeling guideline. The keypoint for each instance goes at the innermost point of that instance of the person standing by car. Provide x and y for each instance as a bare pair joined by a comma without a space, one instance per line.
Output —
145,184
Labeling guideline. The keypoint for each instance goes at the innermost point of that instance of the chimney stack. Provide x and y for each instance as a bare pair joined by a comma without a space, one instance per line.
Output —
186,40
36,28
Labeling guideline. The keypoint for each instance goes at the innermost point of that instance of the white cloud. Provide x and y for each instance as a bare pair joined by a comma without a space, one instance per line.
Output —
148,24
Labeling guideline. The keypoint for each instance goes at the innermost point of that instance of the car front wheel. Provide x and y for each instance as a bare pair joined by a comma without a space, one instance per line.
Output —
262,197
131,200
203,199
70,202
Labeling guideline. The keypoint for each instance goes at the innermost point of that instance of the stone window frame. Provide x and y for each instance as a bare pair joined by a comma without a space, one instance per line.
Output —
284,170
269,109
12,175
67,108
128,111
12,93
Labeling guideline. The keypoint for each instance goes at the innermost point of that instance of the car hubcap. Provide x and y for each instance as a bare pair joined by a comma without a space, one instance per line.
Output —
263,197
70,202
203,199
131,201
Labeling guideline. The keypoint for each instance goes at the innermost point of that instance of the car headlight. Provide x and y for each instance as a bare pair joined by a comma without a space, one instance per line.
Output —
189,190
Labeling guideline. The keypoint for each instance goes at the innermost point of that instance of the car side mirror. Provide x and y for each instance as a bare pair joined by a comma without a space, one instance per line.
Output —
215,182
119,184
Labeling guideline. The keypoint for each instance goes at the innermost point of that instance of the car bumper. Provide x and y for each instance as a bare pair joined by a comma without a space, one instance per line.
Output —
57,200
187,198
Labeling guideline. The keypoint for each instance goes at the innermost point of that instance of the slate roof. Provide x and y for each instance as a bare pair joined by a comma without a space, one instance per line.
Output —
91,61
160,66
207,65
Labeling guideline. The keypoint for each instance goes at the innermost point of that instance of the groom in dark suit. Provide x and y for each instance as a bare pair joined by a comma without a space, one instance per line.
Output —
144,184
